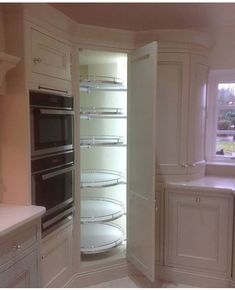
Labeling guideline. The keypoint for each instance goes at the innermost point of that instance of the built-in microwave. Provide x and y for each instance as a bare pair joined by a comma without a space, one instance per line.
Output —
53,186
52,118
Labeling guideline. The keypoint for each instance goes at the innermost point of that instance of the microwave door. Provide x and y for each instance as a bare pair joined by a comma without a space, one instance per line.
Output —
51,131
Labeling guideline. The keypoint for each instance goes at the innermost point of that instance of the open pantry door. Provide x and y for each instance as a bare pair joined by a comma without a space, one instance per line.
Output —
141,108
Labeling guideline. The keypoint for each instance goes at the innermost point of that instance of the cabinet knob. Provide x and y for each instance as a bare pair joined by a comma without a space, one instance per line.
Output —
37,60
192,165
184,165
16,247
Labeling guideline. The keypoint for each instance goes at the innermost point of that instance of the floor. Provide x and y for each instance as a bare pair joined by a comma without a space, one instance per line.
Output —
136,282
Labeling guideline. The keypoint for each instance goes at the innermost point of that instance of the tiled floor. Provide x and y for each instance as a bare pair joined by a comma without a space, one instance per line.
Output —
136,282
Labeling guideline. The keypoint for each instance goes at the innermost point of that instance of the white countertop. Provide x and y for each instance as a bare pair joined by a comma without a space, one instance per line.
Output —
13,216
215,183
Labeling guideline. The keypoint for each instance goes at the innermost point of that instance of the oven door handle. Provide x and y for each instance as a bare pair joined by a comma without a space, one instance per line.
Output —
56,112
57,172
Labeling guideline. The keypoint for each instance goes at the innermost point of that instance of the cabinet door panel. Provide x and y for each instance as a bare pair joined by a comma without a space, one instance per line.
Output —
49,56
142,67
22,274
197,109
198,230
57,259
171,113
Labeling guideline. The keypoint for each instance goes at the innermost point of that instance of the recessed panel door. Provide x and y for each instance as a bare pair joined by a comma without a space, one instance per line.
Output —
142,66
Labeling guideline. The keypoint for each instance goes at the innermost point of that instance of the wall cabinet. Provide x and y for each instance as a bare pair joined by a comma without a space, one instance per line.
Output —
198,231
49,56
57,257
181,104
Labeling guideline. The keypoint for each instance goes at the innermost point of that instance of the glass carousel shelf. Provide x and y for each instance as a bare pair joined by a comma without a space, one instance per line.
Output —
101,83
100,237
92,178
95,113
104,140
100,209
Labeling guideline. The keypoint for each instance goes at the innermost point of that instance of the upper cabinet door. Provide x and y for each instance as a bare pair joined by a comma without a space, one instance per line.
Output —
172,113
142,70
49,56
197,117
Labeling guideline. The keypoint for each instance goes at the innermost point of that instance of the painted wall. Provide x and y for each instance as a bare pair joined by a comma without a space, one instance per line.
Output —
2,36
222,55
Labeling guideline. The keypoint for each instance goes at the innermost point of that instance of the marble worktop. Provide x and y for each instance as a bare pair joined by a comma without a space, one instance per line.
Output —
210,183
14,216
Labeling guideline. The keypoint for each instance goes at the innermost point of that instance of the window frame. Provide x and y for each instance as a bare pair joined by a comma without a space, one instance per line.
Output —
215,77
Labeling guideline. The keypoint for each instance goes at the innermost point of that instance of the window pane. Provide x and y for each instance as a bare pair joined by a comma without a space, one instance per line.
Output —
226,94
225,145
226,119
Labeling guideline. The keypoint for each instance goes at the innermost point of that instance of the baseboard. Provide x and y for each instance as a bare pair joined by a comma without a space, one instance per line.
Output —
89,278
180,276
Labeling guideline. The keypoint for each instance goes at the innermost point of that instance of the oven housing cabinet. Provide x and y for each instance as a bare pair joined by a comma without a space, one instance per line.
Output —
52,156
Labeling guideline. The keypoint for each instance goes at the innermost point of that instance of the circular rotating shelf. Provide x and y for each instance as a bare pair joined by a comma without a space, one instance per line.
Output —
101,112
101,83
100,210
100,237
100,178
95,140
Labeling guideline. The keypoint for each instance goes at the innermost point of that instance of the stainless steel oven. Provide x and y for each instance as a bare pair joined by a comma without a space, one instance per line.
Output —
53,186
52,118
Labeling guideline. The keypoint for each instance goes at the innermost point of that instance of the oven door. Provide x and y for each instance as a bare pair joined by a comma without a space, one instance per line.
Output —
51,131
54,190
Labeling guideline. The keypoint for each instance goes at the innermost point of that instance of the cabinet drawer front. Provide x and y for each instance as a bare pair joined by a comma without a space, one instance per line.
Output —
17,243
22,274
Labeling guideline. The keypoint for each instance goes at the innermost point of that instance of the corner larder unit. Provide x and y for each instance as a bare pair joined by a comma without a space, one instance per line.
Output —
103,107
117,137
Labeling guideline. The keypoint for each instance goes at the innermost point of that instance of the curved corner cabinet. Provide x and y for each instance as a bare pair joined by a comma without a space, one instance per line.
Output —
181,110
102,214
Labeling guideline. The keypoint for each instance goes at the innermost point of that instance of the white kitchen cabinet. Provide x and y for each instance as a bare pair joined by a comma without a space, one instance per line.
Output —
181,100
20,249
197,114
57,257
22,274
198,231
49,56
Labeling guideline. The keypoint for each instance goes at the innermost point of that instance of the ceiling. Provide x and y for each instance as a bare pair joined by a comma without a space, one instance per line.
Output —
146,16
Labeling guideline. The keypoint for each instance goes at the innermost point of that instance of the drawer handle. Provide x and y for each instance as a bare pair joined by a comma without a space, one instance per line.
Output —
198,199
16,247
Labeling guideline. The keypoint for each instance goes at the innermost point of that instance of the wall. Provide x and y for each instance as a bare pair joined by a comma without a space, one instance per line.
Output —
2,36
14,118
222,55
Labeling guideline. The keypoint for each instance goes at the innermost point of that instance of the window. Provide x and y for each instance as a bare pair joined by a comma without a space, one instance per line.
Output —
221,117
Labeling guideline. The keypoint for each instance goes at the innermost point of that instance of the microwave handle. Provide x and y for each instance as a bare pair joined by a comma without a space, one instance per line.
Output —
51,89
58,172
56,112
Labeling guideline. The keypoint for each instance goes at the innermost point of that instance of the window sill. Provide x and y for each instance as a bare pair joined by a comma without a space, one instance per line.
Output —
220,168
